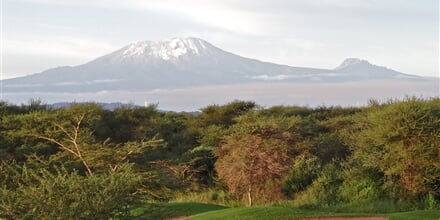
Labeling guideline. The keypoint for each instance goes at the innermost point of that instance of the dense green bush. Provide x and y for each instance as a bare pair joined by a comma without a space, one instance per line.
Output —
401,140
362,185
324,191
385,155
42,194
302,174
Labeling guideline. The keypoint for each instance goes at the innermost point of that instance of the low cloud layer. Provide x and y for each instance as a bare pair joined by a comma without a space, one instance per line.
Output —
268,94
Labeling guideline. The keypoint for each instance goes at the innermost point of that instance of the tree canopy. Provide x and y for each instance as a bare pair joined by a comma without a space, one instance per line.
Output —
237,152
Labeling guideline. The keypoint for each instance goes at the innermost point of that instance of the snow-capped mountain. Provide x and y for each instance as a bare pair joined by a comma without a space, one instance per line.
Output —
184,62
166,50
350,62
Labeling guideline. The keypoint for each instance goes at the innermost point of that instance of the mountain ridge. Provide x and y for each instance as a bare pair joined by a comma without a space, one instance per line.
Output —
181,62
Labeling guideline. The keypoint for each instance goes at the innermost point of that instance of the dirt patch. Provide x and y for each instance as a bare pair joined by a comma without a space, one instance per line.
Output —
343,218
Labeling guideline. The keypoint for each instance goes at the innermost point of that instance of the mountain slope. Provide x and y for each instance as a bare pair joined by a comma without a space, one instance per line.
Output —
365,70
184,62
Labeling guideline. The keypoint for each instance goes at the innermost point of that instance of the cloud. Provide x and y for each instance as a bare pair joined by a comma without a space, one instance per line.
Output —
266,77
25,55
60,46
316,33
215,14
223,15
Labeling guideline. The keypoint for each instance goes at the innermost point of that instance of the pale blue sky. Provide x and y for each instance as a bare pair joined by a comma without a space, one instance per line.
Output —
400,34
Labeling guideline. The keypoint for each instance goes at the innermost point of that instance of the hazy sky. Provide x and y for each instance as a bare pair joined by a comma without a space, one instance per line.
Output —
400,34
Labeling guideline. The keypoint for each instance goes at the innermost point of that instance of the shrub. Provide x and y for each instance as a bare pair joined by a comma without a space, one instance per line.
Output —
304,171
360,190
43,194
213,196
324,191
362,184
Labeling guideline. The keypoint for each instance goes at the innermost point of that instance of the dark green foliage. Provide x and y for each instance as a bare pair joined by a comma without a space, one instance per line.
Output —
224,115
173,128
129,124
402,141
200,165
361,185
328,148
324,113
301,175
330,155
28,193
212,135
17,130
325,189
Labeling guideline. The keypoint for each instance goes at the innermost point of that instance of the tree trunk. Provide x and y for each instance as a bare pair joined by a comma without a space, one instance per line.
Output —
250,196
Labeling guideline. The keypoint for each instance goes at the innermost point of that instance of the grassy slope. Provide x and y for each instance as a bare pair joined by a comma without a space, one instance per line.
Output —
166,210
415,215
269,213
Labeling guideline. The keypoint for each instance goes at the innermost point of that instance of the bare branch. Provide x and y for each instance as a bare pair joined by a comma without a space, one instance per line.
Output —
72,139
126,156
57,143
63,130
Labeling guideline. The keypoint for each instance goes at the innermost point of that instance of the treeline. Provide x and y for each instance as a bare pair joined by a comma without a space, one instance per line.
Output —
95,163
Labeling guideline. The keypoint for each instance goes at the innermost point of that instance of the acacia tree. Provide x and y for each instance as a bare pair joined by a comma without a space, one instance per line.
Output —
70,134
254,158
78,177
402,141
29,192
70,143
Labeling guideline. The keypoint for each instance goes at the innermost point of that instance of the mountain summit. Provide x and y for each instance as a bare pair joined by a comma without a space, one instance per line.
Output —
170,49
167,50
366,70
349,62
184,62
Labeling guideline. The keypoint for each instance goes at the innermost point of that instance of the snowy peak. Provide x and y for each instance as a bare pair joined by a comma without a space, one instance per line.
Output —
167,50
351,62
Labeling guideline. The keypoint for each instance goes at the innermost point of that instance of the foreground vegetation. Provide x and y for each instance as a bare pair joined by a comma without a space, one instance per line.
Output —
83,161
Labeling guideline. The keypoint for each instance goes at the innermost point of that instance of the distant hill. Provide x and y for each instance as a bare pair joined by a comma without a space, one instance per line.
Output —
108,106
